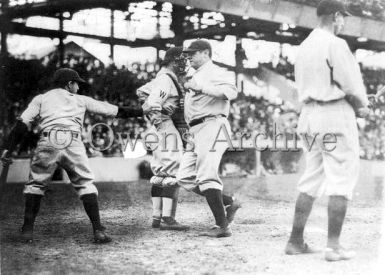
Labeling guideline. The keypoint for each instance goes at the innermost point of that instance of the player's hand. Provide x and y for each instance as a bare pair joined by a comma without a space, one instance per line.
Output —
6,158
363,112
192,85
147,108
169,109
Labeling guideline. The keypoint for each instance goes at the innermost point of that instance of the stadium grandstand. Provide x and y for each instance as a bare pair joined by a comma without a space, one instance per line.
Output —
116,45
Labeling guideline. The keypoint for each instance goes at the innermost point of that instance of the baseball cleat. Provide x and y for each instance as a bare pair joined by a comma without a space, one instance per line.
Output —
101,237
296,249
231,210
338,254
169,223
219,232
26,235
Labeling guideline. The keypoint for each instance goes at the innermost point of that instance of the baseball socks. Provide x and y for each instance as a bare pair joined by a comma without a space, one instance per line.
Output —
32,206
296,243
90,203
231,205
156,198
337,207
168,210
215,201
175,201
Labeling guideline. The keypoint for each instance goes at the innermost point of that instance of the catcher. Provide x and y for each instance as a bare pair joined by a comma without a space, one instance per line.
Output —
169,125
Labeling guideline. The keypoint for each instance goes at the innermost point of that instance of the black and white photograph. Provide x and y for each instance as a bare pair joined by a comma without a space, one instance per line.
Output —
192,137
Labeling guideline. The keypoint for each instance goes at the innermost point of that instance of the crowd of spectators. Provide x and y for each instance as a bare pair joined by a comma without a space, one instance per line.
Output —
117,86
248,115
373,9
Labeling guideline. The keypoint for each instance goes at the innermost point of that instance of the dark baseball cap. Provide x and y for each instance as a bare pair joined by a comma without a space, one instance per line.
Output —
65,75
198,45
172,54
327,7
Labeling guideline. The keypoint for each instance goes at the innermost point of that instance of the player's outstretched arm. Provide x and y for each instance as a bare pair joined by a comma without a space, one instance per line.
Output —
127,112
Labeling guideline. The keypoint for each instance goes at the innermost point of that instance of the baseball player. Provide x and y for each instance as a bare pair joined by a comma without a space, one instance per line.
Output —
207,104
60,113
169,125
331,89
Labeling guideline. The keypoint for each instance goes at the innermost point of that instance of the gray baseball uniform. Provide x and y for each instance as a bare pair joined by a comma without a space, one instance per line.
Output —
206,113
60,115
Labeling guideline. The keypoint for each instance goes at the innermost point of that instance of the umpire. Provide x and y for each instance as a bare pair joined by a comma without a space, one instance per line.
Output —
331,89
60,114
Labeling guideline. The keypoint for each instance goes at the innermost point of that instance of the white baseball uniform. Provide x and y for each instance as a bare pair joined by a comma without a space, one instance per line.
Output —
325,72
162,92
206,113
60,115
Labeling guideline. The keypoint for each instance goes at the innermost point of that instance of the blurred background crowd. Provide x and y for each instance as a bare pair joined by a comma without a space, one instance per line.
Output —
248,114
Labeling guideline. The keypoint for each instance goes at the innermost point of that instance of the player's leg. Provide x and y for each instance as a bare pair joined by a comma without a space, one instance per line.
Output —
156,198
75,161
209,155
43,166
186,175
165,165
310,186
175,201
230,203
341,183
169,222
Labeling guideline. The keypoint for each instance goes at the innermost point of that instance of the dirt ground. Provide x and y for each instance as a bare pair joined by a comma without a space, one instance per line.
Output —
63,234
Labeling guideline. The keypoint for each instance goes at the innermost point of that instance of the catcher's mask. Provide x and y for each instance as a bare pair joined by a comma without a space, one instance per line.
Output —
175,55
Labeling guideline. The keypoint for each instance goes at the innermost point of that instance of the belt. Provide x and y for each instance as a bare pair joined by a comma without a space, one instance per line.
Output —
74,134
203,119
321,102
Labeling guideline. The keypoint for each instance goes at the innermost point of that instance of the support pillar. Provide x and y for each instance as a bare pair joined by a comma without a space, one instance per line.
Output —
112,34
61,38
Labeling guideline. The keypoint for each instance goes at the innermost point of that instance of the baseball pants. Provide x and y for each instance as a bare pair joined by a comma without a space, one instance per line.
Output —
73,159
168,154
200,165
330,172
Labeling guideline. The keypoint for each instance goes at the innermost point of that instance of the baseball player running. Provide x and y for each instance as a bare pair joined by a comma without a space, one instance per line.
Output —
60,113
331,89
169,125
207,104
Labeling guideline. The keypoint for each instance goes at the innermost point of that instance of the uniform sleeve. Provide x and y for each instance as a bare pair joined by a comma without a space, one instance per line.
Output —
143,92
346,72
160,90
32,111
99,107
221,86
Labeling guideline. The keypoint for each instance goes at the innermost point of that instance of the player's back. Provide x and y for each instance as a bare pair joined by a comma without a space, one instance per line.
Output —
60,107
313,69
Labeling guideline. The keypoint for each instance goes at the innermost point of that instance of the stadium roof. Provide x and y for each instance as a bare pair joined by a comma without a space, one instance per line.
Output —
279,21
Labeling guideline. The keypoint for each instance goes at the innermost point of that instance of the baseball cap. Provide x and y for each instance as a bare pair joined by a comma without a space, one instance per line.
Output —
198,45
65,75
172,54
327,7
